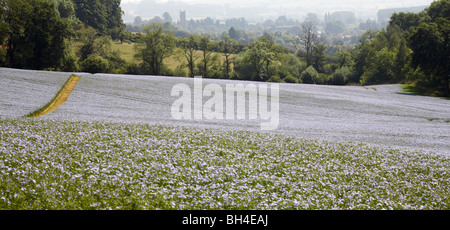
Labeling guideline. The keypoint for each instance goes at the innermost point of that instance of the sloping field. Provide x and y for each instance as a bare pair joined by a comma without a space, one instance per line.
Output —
380,115
23,92
87,154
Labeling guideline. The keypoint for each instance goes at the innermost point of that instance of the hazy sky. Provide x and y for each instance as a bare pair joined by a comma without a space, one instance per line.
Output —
340,2
266,8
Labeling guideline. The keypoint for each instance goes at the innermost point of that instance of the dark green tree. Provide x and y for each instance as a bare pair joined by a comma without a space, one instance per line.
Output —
431,49
158,45
402,61
66,8
318,56
4,31
206,47
261,55
102,15
379,67
189,46
407,22
95,64
38,38
438,9
228,47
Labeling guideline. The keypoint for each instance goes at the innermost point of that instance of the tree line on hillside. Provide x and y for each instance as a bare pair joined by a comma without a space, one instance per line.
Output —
413,48
77,35
40,34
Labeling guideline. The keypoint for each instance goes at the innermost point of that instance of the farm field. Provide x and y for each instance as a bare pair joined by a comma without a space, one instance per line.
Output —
56,164
23,92
380,115
114,145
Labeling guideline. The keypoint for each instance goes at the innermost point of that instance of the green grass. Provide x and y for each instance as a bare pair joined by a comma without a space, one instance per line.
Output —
418,89
52,164
126,50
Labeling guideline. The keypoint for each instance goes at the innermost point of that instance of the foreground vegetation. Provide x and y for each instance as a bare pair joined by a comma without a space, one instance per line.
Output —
51,164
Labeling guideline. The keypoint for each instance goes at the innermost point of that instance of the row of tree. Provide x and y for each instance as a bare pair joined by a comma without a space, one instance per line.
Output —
414,48
42,34
261,60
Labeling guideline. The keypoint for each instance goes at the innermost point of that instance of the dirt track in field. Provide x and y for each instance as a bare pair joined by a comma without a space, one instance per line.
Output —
60,98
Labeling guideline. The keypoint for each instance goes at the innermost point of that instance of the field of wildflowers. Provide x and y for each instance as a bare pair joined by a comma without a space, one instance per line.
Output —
53,164
113,145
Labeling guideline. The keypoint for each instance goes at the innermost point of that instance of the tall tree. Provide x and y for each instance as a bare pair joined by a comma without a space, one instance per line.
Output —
438,9
4,31
189,46
431,49
430,45
318,56
66,8
158,45
259,56
364,49
402,61
228,48
37,36
308,39
206,47
102,15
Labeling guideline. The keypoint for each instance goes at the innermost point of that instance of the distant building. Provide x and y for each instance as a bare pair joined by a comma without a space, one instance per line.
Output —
183,21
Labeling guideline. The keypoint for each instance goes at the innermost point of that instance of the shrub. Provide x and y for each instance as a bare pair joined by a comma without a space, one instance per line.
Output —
275,78
309,76
95,65
290,79
341,76
323,79
133,68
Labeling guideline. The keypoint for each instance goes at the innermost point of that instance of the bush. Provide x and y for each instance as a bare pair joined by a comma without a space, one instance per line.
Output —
292,65
290,79
341,76
275,78
69,63
133,68
309,76
166,71
323,79
95,65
